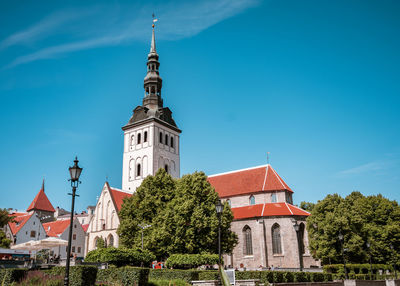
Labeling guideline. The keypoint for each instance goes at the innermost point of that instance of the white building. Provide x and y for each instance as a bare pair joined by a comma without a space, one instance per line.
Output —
25,227
151,141
60,229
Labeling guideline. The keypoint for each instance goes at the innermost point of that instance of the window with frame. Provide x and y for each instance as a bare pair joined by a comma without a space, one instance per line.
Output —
138,170
139,138
33,233
73,248
166,168
301,238
145,137
166,139
273,198
161,137
247,241
252,200
276,239
74,236
172,142
79,249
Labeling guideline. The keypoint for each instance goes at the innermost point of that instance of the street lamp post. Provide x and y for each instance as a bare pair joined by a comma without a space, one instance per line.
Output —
370,260
296,227
219,207
75,172
143,227
341,238
394,262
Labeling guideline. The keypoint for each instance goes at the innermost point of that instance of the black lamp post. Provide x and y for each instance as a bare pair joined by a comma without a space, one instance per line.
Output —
370,260
394,261
75,172
341,238
296,227
219,207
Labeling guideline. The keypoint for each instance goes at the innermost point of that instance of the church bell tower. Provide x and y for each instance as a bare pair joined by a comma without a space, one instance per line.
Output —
151,137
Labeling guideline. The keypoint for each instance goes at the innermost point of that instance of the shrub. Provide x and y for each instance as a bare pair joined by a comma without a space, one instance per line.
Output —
78,275
121,256
126,275
11,275
208,275
172,274
175,282
40,278
187,261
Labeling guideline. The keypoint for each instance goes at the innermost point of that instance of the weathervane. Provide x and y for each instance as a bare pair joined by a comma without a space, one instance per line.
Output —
268,158
154,19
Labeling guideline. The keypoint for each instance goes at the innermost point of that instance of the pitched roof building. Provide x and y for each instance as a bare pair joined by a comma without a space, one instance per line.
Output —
264,217
41,206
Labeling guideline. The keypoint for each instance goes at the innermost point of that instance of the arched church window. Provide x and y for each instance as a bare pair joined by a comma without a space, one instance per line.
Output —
139,138
247,241
276,239
138,170
252,200
145,137
110,241
273,198
161,137
166,168
166,139
172,142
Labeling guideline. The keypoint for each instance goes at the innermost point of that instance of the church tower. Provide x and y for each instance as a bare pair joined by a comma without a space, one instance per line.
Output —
151,137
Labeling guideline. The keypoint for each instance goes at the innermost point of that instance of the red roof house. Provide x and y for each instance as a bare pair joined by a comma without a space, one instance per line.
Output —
41,203
56,228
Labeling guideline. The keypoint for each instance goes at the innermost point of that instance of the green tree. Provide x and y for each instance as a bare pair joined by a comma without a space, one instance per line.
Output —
4,241
4,219
181,214
372,219
307,206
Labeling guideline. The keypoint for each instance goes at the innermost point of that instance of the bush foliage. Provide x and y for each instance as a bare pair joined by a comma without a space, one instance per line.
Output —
78,275
189,261
126,275
9,276
121,256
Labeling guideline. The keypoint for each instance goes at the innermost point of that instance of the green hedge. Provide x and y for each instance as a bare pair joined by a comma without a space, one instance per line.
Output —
355,268
126,275
121,256
189,261
78,275
10,275
172,274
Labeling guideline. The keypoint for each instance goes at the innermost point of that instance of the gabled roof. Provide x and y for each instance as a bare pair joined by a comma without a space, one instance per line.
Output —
19,220
56,228
41,202
246,181
118,196
268,209
85,227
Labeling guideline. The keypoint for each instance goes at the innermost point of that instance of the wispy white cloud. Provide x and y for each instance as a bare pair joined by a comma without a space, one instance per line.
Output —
366,168
176,21
43,28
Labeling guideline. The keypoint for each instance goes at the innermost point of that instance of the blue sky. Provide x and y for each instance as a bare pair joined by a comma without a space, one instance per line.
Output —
315,83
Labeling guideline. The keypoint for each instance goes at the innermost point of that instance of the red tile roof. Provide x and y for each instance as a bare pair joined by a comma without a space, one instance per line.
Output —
41,202
56,228
247,181
118,197
268,209
85,227
19,221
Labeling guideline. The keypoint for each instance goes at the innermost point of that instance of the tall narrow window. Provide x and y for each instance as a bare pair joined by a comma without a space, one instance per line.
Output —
252,200
160,137
145,137
139,138
301,237
276,239
247,241
132,140
172,142
138,170
273,198
166,139
166,168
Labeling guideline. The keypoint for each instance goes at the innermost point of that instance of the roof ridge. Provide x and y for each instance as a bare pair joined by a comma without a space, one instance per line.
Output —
236,171
283,185
300,209
265,178
288,208
262,212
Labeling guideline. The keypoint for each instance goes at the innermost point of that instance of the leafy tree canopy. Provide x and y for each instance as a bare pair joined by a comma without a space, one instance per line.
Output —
181,213
372,220
4,217
307,206
4,241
